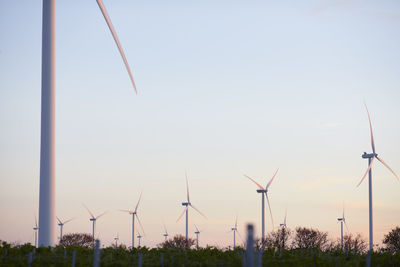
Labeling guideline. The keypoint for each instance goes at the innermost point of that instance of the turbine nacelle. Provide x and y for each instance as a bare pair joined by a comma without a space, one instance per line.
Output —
185,203
368,156
262,191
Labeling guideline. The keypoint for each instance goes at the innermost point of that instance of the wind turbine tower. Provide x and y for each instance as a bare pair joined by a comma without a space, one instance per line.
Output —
47,207
165,234
36,228
197,232
342,220
371,158
264,191
93,219
61,224
134,214
139,237
188,204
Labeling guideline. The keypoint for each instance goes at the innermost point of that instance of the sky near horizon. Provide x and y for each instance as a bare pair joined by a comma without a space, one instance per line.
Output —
225,88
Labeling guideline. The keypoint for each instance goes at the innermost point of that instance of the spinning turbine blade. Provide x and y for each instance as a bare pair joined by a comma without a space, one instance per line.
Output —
269,183
370,128
347,228
240,236
184,210
284,221
129,211
101,215
198,211
187,188
387,166
196,228
91,214
58,219
141,226
35,221
67,221
114,34
137,205
365,174
270,211
236,222
251,179
165,228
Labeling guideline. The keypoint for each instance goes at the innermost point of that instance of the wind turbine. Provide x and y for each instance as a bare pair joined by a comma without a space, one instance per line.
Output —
197,232
134,213
93,220
47,209
116,240
264,191
283,225
342,220
235,230
36,228
139,237
188,204
371,158
61,224
165,234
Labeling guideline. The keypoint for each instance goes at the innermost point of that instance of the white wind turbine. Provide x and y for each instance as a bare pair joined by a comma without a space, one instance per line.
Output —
36,228
264,191
235,230
134,214
93,220
116,240
187,205
139,236
165,234
61,224
47,211
371,158
283,225
197,232
342,220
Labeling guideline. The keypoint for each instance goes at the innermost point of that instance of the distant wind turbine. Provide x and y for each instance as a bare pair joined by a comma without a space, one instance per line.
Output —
283,225
197,232
134,214
47,209
61,224
342,220
139,237
371,158
116,240
93,220
36,228
264,191
235,230
187,205
165,234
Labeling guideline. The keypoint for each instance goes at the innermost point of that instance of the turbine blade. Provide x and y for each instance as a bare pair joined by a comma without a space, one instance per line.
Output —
114,34
347,228
251,179
240,236
198,211
197,229
58,219
91,214
140,197
269,183
270,211
36,221
180,216
370,128
140,223
129,211
387,166
187,188
236,222
284,222
365,174
101,215
165,228
69,220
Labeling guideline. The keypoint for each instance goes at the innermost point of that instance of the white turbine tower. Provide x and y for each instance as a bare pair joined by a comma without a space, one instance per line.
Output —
283,225
116,240
61,224
187,205
47,209
371,158
264,191
134,214
197,232
165,234
36,228
139,236
93,220
235,230
342,220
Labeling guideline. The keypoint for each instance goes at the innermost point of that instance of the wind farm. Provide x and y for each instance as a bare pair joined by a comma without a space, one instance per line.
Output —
223,94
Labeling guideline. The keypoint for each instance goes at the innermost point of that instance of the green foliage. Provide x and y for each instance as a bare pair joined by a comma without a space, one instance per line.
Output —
77,239
392,240
178,241
309,238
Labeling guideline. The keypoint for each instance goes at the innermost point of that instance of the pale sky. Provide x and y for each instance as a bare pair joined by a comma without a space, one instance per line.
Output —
226,88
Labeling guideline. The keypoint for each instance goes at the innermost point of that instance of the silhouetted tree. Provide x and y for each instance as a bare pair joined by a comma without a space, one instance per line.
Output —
178,241
77,239
278,239
310,238
392,240
356,244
